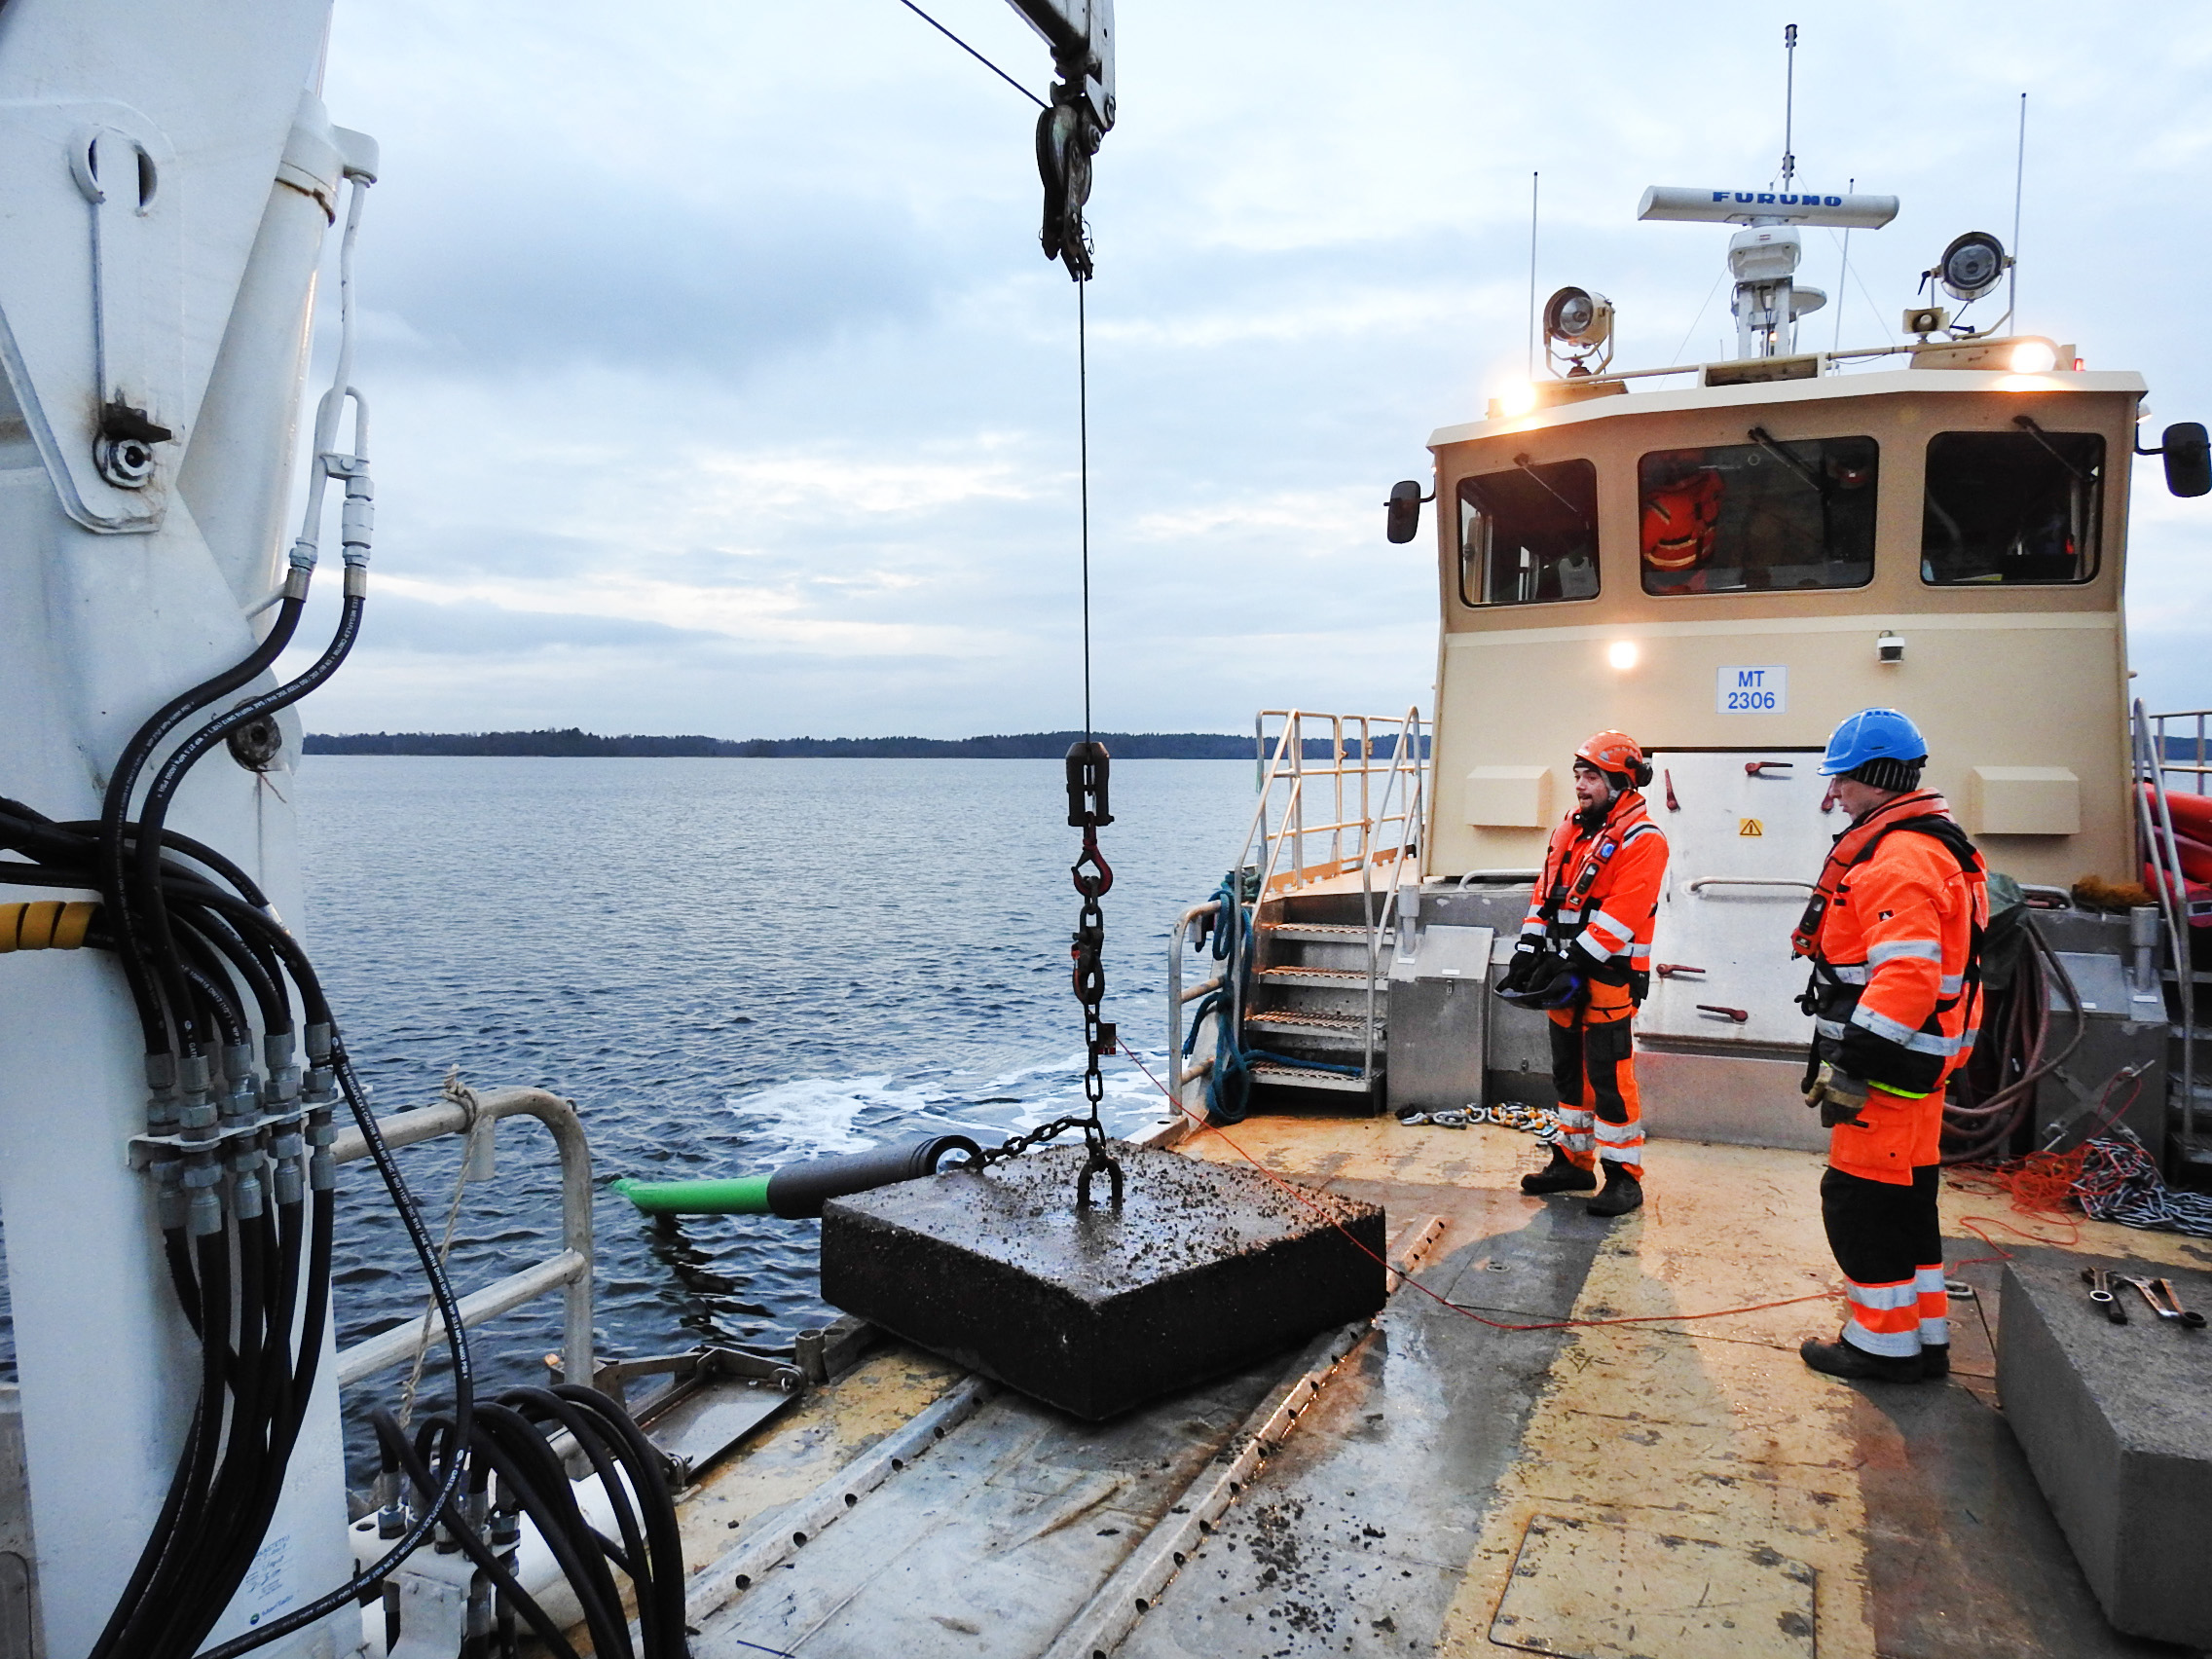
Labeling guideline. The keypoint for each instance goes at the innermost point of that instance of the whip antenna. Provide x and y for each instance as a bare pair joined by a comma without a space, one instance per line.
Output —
2019,169
1789,101
1534,180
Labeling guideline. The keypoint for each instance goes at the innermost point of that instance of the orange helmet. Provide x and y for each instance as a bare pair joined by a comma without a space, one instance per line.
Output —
1617,752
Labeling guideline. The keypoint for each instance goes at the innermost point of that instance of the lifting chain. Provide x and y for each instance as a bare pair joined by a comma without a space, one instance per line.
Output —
1087,767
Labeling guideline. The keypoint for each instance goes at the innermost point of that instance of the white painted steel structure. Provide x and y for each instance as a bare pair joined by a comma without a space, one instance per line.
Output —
167,176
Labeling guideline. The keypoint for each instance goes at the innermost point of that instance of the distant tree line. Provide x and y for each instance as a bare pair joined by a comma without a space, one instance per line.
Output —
571,742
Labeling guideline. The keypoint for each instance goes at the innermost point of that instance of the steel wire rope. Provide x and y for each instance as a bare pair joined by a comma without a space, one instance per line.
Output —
972,53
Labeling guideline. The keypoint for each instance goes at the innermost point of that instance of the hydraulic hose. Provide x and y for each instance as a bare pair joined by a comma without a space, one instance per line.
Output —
798,1190
1991,1122
392,1439
147,845
115,805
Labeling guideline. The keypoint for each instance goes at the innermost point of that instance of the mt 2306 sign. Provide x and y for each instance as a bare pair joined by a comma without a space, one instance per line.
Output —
1753,690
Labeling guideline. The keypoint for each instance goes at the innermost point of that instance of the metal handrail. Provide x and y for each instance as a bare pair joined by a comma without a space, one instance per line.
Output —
2155,822
1367,797
2162,743
1705,881
569,1270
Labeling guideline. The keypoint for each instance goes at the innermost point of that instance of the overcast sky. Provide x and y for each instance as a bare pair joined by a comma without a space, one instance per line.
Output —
721,385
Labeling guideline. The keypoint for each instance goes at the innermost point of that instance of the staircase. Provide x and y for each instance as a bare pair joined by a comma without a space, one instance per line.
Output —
1311,997
2189,1096
1333,836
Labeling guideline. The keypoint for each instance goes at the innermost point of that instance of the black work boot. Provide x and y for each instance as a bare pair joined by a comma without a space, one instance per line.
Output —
1934,1361
1561,1175
1853,1364
1623,1193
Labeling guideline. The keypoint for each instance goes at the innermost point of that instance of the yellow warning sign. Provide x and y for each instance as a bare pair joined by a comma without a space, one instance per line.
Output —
1749,826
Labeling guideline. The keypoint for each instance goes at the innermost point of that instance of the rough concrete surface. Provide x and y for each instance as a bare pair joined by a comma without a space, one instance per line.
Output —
1204,1268
2117,1424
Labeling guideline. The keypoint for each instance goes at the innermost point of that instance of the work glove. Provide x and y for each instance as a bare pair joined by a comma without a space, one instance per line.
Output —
1528,956
1838,1095
1549,983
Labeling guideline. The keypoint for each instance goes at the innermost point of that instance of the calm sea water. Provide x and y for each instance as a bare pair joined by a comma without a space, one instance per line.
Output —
728,965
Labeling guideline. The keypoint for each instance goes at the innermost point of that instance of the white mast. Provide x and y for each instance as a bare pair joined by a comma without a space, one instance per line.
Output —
167,177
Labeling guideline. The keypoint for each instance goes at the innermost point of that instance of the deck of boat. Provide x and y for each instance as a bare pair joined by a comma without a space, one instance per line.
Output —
1680,1486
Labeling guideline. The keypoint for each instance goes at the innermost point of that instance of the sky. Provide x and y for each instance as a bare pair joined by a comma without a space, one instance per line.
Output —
721,385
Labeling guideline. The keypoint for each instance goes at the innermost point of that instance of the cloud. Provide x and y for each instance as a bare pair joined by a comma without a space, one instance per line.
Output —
721,385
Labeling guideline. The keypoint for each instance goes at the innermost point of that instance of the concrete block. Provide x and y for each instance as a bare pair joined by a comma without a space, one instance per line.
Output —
2117,1424
1204,1269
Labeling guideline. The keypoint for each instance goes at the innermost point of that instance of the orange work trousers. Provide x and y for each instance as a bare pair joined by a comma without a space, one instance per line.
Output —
1593,1074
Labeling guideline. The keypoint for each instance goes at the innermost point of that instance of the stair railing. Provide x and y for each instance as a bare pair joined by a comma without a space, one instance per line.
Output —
2160,852
1370,779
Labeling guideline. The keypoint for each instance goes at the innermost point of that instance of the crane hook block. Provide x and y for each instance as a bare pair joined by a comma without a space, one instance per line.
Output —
1087,767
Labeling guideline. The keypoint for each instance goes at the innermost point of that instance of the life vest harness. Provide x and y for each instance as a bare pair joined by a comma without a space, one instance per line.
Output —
1828,995
1623,821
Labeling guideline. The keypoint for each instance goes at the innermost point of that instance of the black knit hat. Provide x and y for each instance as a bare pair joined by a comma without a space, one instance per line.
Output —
1896,776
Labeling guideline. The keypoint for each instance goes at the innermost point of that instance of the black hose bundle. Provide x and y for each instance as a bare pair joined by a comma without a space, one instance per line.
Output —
518,1475
243,1178
1995,1091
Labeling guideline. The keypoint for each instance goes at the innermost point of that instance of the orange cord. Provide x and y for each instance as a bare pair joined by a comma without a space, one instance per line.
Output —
1405,1277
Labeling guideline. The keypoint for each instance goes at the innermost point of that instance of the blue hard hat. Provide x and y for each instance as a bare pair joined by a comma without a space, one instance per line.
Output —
1873,734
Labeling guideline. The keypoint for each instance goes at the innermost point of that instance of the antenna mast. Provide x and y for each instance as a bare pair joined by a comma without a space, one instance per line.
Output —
1534,180
2019,168
1789,101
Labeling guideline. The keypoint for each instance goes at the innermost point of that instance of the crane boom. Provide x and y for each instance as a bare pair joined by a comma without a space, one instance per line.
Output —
1081,34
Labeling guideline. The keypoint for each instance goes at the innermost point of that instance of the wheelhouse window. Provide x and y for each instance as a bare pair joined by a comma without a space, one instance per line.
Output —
2019,506
1530,533
1773,513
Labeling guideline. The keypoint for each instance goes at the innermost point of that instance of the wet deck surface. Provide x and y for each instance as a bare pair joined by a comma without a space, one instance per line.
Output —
1707,1484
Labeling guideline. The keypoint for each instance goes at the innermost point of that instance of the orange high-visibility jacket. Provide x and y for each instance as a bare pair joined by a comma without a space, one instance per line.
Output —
1900,913
1601,888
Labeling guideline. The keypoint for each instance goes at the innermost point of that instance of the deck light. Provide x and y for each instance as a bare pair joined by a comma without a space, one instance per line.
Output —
1622,655
1972,266
1888,646
1516,400
2034,357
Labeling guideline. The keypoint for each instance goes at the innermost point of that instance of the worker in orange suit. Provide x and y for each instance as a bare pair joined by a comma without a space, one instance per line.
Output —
1584,956
1894,931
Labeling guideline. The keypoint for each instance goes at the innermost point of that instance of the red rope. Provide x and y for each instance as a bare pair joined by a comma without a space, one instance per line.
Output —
1405,1277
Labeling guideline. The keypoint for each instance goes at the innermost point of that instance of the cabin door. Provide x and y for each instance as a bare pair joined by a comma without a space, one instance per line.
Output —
1746,838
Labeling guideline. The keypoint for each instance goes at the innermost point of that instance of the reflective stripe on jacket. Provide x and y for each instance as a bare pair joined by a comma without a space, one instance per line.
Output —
1600,890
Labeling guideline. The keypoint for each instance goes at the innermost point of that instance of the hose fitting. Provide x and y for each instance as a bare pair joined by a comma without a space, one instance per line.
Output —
161,1095
195,1111
283,1076
322,1168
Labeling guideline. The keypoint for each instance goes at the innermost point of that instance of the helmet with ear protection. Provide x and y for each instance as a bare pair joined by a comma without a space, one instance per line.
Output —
1617,752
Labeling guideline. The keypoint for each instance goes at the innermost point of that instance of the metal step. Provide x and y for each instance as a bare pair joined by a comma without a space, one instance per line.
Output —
1298,1077
1320,976
1299,1020
1325,933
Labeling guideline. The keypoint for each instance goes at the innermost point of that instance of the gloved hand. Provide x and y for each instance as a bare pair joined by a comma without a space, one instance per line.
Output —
1838,1094
1549,983
1527,955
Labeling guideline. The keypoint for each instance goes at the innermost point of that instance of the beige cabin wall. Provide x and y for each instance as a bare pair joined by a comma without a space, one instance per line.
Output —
1994,677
